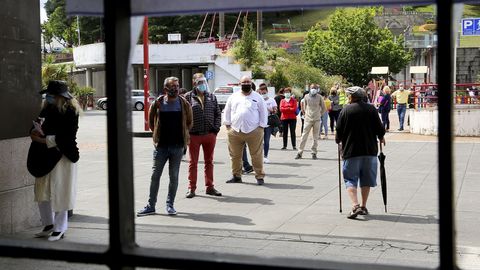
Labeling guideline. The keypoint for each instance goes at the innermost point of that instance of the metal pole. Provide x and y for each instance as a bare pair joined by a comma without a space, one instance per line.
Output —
259,25
201,28
146,73
221,24
78,31
445,166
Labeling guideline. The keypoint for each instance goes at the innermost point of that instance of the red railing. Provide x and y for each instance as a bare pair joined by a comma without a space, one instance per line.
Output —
426,95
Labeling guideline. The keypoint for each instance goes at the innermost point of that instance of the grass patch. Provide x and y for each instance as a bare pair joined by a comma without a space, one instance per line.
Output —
429,8
471,11
282,37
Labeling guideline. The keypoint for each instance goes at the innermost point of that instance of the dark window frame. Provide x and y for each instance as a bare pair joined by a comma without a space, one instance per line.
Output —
123,253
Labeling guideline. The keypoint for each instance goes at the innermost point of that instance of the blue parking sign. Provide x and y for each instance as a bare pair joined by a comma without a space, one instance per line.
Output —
209,74
471,27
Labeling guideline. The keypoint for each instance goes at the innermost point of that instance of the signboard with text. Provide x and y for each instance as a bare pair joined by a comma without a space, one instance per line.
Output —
175,37
471,27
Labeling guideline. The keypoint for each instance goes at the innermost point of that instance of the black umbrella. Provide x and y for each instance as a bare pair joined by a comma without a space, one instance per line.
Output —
339,177
383,176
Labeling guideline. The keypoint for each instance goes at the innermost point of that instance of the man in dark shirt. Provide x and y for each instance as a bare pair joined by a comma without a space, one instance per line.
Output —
358,128
170,119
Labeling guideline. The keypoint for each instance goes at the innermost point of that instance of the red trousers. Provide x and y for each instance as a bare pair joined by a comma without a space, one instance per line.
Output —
208,144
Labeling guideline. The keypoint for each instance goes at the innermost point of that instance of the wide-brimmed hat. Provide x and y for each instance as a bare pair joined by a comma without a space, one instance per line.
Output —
59,88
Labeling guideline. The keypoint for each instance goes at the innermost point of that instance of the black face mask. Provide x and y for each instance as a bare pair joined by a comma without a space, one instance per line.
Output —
171,92
246,88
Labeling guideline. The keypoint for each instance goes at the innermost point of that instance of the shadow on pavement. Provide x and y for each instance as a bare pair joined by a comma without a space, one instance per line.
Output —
280,186
290,164
229,199
412,219
88,219
215,218
284,175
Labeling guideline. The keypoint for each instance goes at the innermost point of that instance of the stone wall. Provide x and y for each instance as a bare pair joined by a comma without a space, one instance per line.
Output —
468,64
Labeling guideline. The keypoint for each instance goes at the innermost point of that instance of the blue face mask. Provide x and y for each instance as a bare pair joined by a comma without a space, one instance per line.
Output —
50,99
202,88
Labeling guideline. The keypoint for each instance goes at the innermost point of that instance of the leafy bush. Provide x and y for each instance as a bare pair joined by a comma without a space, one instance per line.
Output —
247,50
258,72
430,27
84,95
278,79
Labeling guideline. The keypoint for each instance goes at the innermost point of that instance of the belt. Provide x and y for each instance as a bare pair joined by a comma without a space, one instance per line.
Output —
401,103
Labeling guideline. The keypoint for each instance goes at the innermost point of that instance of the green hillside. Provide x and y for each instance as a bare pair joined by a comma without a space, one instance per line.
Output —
301,22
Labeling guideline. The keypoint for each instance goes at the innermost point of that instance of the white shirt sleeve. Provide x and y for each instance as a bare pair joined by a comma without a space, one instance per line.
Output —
228,112
263,113
50,140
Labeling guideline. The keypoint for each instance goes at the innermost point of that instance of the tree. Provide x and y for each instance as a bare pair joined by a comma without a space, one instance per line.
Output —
353,45
247,49
65,29
278,79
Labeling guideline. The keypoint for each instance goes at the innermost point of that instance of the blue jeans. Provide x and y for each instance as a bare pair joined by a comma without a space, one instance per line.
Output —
324,123
160,156
266,140
401,110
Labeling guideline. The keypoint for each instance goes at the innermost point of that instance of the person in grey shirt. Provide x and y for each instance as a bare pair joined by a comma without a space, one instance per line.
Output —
313,107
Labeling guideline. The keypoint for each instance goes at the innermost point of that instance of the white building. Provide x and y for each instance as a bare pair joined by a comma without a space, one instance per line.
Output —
179,60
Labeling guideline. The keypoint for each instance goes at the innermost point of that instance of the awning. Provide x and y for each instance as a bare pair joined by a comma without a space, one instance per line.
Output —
169,8
418,69
379,70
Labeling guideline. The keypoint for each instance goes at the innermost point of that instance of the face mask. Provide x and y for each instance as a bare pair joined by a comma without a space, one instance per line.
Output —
202,88
314,91
50,99
171,92
246,88
288,95
265,96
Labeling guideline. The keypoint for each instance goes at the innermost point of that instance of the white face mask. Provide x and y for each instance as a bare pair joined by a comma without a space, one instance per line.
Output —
314,91
265,96
288,95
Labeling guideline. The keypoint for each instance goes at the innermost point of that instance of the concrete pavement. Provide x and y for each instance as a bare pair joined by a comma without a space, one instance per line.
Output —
296,212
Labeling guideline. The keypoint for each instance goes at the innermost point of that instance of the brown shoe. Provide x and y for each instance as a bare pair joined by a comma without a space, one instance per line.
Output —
213,192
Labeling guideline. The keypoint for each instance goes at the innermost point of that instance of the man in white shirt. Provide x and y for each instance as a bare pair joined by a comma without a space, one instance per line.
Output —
245,118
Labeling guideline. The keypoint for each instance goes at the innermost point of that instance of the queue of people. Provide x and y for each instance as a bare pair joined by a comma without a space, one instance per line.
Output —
192,121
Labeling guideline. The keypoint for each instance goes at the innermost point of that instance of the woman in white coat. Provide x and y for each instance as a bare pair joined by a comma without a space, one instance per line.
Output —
57,129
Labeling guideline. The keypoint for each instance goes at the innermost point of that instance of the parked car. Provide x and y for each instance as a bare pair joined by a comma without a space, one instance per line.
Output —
137,100
222,94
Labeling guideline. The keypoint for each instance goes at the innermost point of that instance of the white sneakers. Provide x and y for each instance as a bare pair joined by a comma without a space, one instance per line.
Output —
266,160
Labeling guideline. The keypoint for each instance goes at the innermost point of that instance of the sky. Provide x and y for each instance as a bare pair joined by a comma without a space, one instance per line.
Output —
43,13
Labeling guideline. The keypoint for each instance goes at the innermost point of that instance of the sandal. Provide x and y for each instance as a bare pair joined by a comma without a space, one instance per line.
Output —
364,211
355,212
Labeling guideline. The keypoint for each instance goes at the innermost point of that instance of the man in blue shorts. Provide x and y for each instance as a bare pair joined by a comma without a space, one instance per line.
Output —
358,128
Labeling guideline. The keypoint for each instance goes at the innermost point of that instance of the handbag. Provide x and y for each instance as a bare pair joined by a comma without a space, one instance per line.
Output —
41,160
273,120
